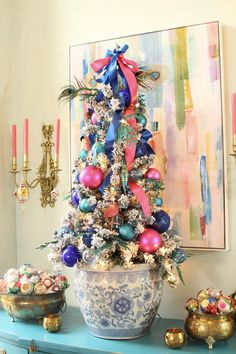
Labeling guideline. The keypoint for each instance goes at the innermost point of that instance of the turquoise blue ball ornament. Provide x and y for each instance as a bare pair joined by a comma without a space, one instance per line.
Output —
99,148
83,154
126,232
158,201
179,256
162,221
85,206
141,119
70,256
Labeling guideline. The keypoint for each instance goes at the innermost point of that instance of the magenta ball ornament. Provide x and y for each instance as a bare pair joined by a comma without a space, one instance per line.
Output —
94,118
91,177
149,241
153,173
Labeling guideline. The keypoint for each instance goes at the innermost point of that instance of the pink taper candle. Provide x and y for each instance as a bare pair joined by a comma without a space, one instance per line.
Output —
26,141
13,146
234,113
57,139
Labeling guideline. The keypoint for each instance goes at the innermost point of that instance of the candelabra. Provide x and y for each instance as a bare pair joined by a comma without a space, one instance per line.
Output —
47,174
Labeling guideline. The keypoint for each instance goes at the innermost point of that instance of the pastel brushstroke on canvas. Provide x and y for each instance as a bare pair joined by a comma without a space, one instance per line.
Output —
188,107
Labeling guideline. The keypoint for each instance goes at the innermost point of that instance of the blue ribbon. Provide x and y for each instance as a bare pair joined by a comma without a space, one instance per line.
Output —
145,135
112,133
110,71
105,183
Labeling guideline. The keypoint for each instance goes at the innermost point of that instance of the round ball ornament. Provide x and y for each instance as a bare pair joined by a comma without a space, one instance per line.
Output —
149,241
91,177
141,119
162,221
158,201
126,232
85,206
75,198
83,154
70,256
153,173
179,256
94,118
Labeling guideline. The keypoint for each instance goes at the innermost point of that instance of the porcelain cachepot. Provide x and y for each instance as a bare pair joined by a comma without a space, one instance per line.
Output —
119,303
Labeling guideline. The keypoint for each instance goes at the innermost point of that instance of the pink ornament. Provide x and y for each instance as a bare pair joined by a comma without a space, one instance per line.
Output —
149,241
91,177
94,118
3,285
153,173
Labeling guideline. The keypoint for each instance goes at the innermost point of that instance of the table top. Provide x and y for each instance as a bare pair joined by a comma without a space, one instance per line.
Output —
74,337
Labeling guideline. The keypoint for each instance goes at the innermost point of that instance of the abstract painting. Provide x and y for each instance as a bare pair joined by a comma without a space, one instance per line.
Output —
187,105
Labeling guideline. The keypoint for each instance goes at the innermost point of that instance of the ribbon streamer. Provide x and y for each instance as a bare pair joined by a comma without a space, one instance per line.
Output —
112,133
141,196
105,183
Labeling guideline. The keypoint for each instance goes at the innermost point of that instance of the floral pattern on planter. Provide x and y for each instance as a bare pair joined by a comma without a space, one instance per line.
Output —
112,302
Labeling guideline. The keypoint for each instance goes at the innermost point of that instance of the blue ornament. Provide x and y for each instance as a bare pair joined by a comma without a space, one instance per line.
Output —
70,256
99,96
141,119
158,201
124,97
141,149
126,232
83,154
75,198
85,207
162,222
66,230
88,237
179,256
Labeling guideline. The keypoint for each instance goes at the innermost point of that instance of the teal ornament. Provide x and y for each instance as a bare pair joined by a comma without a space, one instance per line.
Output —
126,232
141,119
85,206
98,148
158,201
83,154
179,256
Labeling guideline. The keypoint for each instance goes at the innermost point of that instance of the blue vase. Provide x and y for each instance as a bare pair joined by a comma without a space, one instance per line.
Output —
119,303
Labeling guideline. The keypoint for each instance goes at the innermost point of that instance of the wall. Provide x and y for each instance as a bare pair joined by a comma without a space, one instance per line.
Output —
44,30
7,205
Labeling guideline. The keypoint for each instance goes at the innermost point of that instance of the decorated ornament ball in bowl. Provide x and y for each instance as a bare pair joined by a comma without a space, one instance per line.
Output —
29,294
117,215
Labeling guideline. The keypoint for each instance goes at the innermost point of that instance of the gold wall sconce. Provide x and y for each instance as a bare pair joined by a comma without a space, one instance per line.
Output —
47,174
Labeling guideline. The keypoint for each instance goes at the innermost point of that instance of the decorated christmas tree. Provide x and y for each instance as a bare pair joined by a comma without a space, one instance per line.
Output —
117,214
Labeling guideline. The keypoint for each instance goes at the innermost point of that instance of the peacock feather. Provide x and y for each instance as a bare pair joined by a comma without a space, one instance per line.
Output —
79,88
149,77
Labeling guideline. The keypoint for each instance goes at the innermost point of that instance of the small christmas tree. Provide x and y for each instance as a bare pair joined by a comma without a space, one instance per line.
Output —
117,217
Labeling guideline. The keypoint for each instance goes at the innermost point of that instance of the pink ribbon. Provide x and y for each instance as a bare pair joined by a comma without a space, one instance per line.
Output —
141,197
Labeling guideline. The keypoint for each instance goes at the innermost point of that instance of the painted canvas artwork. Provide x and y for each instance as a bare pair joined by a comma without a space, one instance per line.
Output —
187,105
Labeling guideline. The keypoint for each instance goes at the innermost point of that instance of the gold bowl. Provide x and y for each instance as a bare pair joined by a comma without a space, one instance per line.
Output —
209,328
175,338
32,307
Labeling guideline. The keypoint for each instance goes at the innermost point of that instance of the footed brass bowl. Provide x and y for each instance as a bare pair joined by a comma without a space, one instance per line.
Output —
209,328
32,307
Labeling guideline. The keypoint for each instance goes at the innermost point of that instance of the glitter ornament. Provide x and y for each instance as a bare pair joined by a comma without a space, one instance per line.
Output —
158,201
153,173
162,221
179,256
88,237
149,241
126,232
70,256
91,177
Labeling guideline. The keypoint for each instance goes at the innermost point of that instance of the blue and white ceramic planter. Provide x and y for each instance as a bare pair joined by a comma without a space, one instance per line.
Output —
119,304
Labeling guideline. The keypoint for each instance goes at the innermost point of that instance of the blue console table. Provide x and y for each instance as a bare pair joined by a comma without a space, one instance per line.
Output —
27,337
